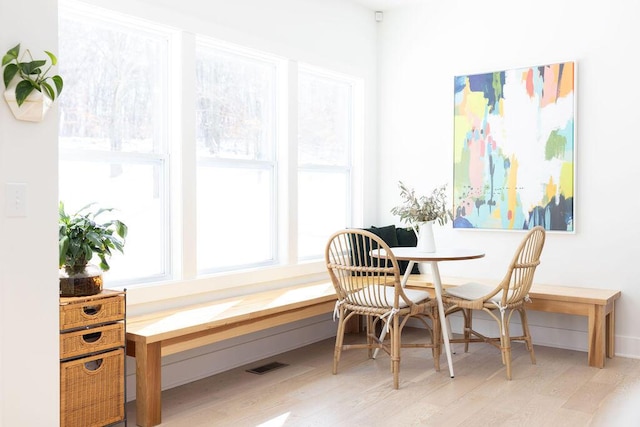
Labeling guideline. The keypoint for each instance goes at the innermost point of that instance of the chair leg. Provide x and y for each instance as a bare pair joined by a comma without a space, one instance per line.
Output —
468,326
370,331
505,347
395,351
339,340
527,334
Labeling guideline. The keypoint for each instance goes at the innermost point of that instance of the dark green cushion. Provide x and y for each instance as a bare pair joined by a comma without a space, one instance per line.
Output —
407,238
391,236
387,233
394,237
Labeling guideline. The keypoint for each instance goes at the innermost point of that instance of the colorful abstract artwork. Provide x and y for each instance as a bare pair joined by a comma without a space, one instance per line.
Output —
514,148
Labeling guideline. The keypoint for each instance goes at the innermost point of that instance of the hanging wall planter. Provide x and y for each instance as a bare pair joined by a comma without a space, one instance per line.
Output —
32,109
30,91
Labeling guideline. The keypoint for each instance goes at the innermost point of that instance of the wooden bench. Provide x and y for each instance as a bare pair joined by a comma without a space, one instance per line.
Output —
598,305
151,336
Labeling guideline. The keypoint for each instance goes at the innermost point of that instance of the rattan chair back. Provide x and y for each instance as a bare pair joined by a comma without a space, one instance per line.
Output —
362,268
517,282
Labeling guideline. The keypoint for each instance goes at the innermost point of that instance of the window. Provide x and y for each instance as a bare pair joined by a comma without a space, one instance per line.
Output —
113,133
120,147
236,145
325,129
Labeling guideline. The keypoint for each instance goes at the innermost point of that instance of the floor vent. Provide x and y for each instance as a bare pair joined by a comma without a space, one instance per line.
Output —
266,368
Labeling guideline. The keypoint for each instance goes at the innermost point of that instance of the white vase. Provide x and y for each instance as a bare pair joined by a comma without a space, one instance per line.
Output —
424,233
33,109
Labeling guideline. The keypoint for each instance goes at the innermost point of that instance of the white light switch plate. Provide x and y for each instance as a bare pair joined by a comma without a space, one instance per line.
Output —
16,199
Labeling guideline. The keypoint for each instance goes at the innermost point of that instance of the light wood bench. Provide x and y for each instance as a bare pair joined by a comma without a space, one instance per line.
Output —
149,337
598,305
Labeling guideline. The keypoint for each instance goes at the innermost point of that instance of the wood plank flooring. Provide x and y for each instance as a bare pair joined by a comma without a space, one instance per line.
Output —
560,390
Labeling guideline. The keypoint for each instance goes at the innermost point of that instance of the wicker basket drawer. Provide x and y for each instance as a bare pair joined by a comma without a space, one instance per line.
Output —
92,390
86,312
92,340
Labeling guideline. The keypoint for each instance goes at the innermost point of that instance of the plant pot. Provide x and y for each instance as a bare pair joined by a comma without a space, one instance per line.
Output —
84,283
33,109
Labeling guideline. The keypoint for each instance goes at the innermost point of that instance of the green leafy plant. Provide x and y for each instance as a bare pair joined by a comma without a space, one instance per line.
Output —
416,209
81,236
31,74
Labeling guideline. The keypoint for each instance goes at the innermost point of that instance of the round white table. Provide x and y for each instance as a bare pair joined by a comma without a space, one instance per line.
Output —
413,255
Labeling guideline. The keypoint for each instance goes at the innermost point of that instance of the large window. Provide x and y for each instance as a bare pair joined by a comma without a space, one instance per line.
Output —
325,129
122,146
236,140
113,133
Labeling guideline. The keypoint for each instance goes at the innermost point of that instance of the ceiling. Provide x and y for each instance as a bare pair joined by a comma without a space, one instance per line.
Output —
386,4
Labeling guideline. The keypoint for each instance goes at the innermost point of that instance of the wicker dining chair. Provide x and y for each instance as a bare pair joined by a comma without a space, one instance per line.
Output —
506,298
366,277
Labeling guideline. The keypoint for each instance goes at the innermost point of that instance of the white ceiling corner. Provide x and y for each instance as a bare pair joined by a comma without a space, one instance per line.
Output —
383,5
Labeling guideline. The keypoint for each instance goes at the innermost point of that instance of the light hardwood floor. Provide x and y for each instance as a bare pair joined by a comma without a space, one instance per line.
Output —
560,390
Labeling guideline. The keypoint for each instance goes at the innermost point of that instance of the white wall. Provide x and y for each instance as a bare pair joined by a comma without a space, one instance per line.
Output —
29,367
423,46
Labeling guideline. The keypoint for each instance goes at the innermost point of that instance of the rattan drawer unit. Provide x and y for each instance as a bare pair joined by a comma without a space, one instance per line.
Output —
87,341
92,390
82,312
92,360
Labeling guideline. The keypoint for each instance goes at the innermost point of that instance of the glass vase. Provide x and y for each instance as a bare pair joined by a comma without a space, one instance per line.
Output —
83,283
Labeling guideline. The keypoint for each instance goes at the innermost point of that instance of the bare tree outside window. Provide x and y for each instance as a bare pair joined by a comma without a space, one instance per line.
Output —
235,105
325,127
236,140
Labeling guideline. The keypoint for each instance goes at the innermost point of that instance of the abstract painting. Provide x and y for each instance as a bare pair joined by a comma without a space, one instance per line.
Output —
514,148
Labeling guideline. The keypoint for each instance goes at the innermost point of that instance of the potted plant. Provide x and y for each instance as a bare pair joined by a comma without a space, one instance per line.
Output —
421,212
81,238
30,89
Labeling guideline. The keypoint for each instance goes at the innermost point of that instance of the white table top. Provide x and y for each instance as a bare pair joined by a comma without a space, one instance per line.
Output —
444,254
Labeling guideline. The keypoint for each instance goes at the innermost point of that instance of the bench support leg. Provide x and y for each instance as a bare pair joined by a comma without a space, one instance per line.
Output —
611,331
148,385
597,333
